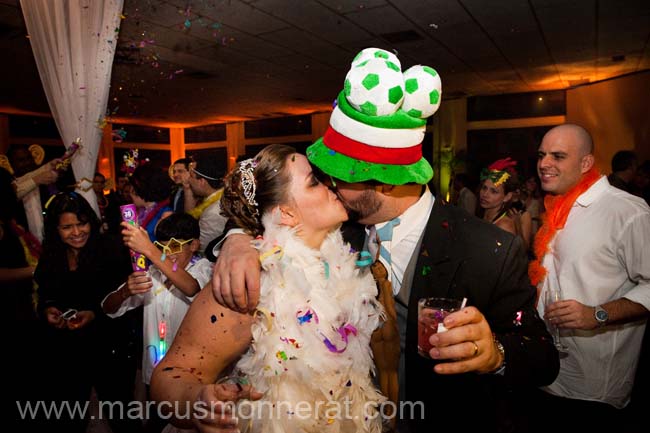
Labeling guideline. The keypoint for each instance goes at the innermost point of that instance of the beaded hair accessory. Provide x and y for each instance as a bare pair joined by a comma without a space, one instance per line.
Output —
246,168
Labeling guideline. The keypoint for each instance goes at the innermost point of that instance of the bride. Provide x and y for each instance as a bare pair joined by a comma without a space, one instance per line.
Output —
304,356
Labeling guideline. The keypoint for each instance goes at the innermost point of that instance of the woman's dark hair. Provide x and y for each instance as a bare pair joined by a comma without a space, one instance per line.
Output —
511,184
151,183
179,226
10,204
271,188
53,246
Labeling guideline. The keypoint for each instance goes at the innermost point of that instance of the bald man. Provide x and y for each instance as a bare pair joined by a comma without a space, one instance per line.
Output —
594,248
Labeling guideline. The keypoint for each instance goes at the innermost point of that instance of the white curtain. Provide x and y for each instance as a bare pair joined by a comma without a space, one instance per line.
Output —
74,43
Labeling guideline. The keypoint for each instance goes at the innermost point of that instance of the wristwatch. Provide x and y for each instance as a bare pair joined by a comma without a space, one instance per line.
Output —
601,315
500,370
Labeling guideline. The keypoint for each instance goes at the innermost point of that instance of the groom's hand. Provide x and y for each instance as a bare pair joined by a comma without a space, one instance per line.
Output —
236,277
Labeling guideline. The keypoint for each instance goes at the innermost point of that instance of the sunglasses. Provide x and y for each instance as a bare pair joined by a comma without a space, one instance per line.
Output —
173,246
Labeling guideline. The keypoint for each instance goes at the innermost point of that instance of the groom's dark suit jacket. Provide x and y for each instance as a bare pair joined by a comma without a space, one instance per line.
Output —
462,256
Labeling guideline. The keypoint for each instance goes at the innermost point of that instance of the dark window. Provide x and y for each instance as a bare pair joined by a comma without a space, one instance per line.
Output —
252,150
33,126
486,146
219,154
203,134
516,105
144,134
293,125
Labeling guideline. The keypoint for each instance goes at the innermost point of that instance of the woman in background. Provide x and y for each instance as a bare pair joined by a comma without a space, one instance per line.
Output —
496,198
80,347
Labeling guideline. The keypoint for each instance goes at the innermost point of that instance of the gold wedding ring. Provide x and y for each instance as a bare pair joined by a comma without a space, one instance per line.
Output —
475,349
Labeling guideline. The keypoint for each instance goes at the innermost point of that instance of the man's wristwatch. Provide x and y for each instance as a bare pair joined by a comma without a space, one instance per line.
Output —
601,315
500,370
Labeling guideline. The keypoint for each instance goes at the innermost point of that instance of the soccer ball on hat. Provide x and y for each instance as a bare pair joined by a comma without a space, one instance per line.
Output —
375,53
375,87
423,91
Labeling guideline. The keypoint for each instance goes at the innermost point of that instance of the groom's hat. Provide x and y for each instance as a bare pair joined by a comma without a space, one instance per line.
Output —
378,123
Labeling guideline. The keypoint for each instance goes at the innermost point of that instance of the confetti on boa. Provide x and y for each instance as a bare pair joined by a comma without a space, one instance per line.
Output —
312,341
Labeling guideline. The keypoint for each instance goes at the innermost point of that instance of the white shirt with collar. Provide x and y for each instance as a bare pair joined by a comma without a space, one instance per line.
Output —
211,222
601,255
406,235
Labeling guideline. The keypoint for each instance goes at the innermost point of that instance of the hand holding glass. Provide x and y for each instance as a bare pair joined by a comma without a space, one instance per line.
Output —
431,313
551,296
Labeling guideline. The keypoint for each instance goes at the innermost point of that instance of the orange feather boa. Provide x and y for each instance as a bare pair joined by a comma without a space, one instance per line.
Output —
557,212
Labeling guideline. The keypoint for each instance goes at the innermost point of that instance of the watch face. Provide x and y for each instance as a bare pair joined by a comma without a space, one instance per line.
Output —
601,315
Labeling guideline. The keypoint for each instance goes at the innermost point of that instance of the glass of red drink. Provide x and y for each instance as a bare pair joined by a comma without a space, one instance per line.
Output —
431,313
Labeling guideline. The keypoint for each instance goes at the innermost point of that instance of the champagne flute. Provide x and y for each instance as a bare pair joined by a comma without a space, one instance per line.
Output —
552,295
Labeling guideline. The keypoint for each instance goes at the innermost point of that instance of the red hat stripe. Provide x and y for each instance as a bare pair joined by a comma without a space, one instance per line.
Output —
363,152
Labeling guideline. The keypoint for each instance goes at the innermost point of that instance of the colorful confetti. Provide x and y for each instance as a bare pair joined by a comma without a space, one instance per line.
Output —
273,251
118,135
307,317
291,341
344,332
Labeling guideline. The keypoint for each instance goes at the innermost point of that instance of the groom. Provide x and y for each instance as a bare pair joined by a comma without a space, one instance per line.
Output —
494,347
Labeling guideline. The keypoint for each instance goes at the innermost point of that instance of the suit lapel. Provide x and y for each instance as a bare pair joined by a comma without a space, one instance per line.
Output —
438,261
436,267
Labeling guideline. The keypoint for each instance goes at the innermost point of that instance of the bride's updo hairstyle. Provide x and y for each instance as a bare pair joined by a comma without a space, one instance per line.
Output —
255,186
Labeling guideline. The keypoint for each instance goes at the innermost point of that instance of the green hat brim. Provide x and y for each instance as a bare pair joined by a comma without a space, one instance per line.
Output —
352,170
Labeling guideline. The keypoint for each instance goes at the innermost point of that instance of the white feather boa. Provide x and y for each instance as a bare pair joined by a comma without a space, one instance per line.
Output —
311,341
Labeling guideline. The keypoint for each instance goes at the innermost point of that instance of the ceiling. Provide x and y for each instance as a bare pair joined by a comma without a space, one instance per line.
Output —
190,62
